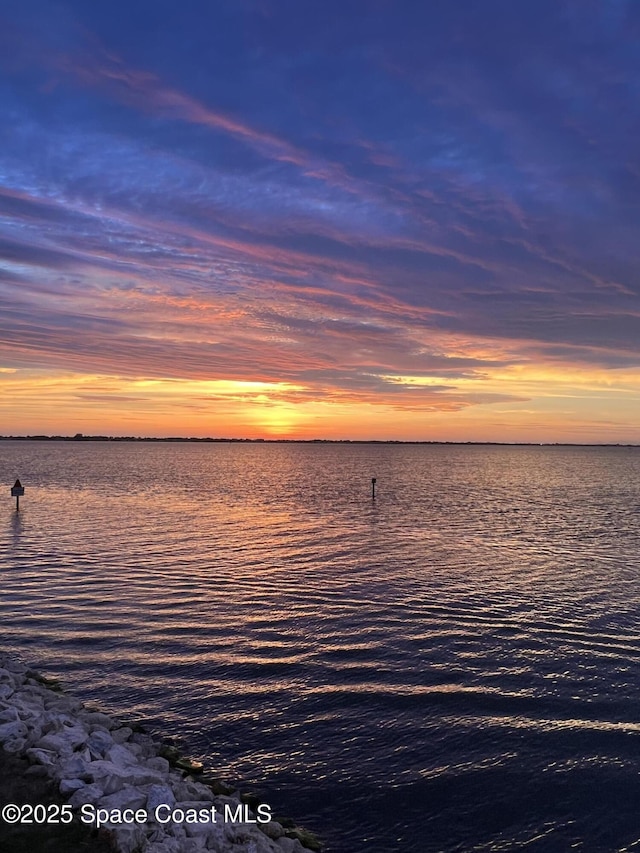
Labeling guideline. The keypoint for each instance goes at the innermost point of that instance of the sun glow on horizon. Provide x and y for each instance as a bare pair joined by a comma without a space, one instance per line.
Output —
46,402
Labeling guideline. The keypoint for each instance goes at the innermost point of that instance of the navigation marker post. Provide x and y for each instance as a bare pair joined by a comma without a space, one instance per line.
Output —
17,491
373,488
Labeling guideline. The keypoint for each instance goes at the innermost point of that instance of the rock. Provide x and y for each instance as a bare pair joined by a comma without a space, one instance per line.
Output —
13,729
240,839
307,839
63,741
217,843
189,765
176,831
266,844
96,718
30,697
70,786
53,721
273,829
197,791
216,785
159,795
120,755
137,750
167,845
122,734
15,745
127,798
63,704
27,711
14,667
75,766
38,770
170,753
288,845
193,845
9,715
161,765
87,794
147,747
97,761
198,830
129,838
98,742
41,756
51,684
113,777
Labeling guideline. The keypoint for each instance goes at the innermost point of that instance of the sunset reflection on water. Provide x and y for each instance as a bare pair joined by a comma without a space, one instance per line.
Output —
469,637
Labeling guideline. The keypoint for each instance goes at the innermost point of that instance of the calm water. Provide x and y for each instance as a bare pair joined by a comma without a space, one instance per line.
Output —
455,667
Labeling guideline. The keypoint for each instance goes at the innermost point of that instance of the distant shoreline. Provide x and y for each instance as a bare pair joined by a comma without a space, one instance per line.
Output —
210,440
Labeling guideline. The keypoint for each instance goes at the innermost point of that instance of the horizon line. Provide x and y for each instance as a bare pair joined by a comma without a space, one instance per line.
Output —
212,440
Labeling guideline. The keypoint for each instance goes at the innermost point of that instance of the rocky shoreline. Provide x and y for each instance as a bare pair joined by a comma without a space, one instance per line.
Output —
143,797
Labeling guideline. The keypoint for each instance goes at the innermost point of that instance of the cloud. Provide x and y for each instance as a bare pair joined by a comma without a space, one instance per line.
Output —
410,214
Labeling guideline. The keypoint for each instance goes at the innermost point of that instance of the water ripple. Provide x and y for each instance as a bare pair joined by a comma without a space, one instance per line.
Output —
453,667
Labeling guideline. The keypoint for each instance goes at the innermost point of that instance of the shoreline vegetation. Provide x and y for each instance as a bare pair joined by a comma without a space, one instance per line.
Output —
213,440
72,772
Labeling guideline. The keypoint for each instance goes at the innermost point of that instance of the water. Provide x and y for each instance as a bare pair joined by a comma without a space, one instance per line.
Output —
453,667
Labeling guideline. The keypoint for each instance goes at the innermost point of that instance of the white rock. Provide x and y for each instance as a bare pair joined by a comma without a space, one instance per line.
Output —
180,789
198,830
216,841
97,718
88,794
75,766
167,845
70,786
63,741
41,756
194,845
98,742
159,795
35,732
14,729
53,721
127,798
9,715
31,693
190,790
111,782
15,745
120,755
147,746
114,777
62,704
177,831
96,760
27,707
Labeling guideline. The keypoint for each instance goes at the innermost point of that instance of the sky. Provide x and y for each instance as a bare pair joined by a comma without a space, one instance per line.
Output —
349,219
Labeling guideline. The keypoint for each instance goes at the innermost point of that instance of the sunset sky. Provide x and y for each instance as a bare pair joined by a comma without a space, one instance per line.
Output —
321,219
